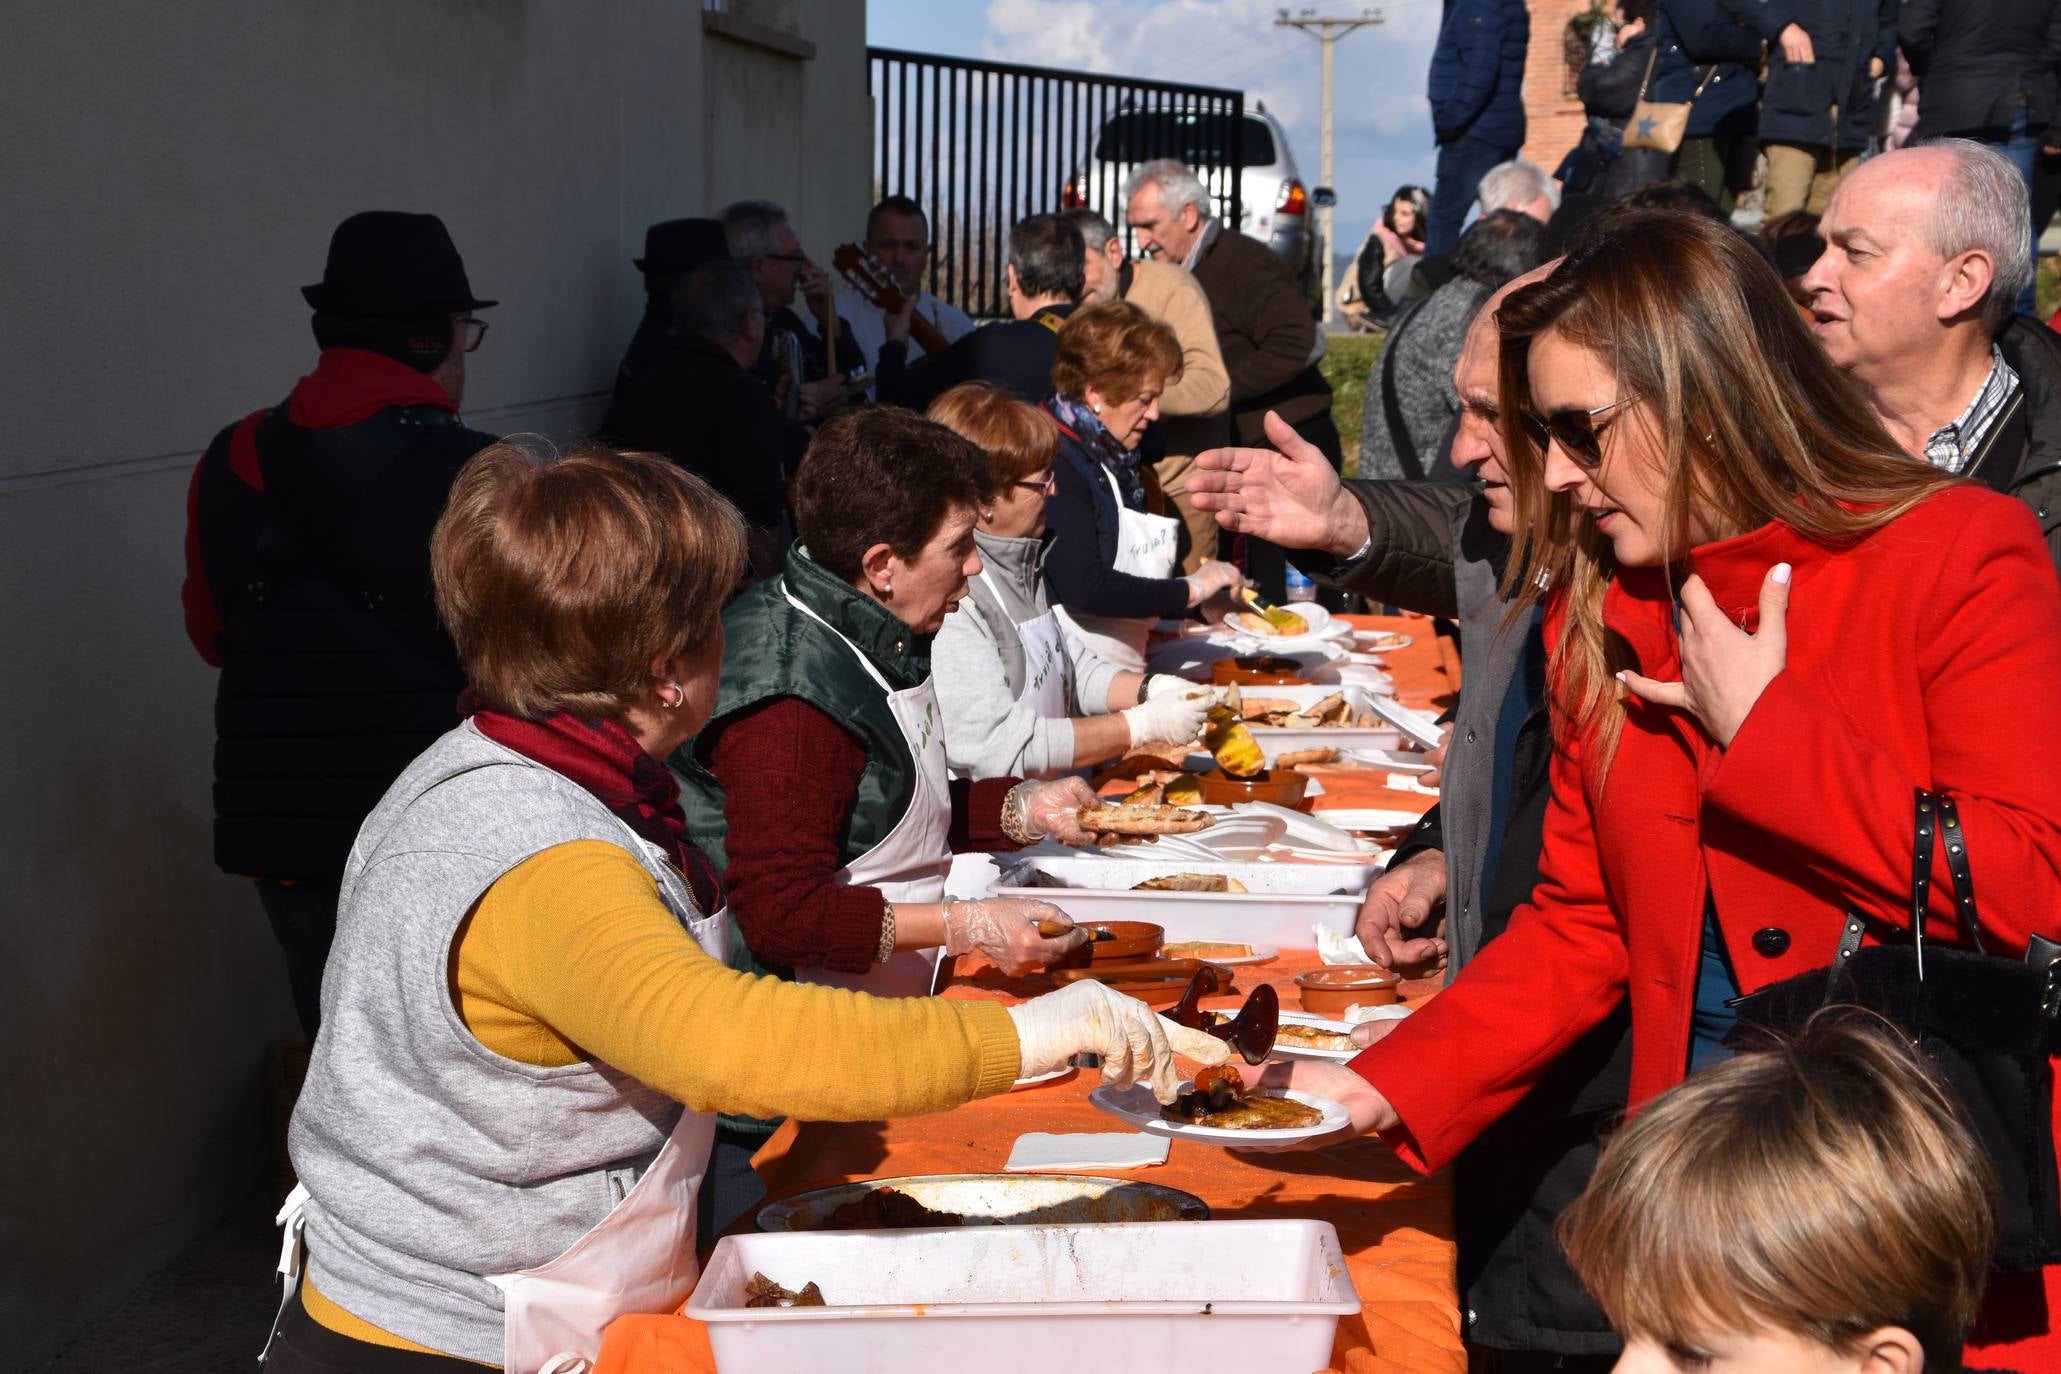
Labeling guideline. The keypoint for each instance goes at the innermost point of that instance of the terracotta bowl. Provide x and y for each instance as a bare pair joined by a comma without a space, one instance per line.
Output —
1258,670
1281,786
1134,940
1329,991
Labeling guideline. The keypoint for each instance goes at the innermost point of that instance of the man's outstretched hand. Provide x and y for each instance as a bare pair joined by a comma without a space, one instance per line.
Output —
1287,495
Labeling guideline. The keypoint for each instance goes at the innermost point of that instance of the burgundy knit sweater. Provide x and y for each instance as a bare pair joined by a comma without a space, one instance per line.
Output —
789,774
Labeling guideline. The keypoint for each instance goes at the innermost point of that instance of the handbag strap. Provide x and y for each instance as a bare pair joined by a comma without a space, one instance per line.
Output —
1647,79
1935,812
1708,77
1957,868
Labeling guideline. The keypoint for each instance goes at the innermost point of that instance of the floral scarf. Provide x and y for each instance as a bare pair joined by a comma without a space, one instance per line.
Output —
1101,445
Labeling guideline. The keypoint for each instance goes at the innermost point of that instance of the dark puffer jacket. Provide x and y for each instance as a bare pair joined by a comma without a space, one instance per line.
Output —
1477,72
335,670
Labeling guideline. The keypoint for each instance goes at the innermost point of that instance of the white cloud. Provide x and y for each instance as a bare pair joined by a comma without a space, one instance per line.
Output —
1381,121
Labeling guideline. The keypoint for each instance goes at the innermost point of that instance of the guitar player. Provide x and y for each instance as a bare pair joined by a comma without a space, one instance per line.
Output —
898,237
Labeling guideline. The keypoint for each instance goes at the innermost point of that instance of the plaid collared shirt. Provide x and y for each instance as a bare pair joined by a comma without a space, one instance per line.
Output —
1951,444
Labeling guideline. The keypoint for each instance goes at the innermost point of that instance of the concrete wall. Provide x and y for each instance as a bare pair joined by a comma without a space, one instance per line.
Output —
173,173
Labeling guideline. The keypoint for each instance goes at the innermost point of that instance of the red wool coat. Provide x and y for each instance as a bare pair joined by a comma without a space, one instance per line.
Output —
1927,654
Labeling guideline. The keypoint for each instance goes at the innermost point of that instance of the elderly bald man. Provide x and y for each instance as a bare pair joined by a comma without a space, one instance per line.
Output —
1926,255
1440,547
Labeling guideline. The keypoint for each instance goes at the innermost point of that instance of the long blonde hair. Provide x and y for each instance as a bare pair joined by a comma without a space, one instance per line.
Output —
1758,423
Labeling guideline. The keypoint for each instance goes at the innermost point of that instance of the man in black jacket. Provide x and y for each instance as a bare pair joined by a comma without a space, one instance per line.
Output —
308,576
672,249
1440,547
794,362
698,405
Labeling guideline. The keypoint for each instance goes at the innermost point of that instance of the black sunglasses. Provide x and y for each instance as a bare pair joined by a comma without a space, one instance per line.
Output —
475,333
1576,431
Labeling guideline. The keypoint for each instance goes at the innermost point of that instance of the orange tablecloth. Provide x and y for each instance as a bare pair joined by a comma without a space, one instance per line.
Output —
1395,1228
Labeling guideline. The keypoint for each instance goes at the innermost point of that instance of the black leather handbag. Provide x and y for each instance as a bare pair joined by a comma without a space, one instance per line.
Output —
1987,1023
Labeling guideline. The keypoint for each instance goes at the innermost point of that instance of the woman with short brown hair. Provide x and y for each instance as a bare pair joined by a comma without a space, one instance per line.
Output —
528,1026
1020,696
1112,562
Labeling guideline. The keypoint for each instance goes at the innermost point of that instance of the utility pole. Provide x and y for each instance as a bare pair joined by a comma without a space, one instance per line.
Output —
1326,29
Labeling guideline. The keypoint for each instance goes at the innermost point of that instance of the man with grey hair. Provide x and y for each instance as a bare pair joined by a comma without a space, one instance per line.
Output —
1196,408
1521,186
794,355
700,405
1926,255
1264,328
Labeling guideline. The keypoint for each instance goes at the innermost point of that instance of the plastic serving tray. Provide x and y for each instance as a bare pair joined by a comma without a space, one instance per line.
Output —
1261,1297
1282,904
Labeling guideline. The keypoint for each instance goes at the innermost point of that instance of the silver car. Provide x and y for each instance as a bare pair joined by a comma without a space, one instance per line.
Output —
1274,205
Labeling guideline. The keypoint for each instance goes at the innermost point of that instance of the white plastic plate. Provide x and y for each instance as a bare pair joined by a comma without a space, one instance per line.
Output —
1371,818
1420,726
1303,1018
1137,1105
1374,641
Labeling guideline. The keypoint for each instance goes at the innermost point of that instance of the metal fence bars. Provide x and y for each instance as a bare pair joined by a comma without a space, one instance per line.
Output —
980,145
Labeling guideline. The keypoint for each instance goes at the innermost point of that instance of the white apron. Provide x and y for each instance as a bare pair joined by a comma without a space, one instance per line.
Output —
911,861
637,1259
1045,666
1146,546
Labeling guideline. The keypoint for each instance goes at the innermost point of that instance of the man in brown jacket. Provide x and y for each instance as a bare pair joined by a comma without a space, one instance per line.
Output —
1264,328
1196,408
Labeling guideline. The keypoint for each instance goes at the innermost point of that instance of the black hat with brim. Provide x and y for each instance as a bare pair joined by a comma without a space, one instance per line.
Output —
674,246
388,263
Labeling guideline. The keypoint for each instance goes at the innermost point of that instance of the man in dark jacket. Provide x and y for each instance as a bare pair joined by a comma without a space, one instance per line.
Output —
1930,338
794,362
1709,52
1046,274
1264,328
1440,547
1477,105
1815,117
672,249
308,581
701,407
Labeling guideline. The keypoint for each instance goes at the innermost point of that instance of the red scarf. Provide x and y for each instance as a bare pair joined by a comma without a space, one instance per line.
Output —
604,758
350,384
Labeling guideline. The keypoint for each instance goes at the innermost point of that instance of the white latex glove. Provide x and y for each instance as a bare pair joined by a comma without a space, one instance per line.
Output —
1211,579
1005,929
1137,1044
1159,684
1176,716
1052,808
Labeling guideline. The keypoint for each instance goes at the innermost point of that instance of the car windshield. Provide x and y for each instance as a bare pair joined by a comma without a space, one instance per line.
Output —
1194,137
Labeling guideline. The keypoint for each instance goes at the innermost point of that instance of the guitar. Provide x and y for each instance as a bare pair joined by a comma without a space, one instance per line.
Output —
877,288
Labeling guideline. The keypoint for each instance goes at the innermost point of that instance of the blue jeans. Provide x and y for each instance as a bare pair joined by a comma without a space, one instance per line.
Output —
2022,146
1461,166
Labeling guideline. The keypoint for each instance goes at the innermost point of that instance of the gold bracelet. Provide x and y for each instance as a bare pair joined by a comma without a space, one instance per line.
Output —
886,951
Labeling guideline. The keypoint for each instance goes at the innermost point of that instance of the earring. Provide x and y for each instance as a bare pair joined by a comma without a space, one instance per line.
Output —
1095,409
679,696
887,589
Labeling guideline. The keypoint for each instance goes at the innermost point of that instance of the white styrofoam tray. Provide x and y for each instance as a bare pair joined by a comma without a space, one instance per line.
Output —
1257,1296
1274,743
1284,902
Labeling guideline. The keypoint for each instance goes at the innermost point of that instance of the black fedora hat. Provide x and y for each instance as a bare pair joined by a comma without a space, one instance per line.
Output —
390,263
674,246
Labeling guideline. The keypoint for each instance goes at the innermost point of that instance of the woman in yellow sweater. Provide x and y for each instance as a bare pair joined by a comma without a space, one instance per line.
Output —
527,1026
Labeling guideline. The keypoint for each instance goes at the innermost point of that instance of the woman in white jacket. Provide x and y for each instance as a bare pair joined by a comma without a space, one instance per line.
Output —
1020,696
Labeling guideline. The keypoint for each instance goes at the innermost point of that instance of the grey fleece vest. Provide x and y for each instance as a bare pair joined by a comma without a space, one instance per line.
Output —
431,1160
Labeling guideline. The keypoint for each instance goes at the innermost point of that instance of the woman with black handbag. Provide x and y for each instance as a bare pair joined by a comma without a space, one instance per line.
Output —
1767,627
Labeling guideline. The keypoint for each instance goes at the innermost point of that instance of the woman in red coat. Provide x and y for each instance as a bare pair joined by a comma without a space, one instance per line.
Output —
1767,627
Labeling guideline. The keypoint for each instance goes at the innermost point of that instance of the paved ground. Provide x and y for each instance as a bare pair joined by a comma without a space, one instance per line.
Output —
205,1312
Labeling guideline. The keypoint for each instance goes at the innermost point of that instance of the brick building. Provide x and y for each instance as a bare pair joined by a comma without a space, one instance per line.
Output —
1553,116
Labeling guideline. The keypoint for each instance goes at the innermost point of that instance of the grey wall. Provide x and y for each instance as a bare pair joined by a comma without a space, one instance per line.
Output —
171,176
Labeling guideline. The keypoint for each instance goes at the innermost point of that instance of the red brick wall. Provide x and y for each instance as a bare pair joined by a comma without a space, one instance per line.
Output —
1553,116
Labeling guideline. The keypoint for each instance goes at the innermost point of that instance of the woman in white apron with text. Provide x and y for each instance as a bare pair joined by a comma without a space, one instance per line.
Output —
528,1028
1021,696
1111,568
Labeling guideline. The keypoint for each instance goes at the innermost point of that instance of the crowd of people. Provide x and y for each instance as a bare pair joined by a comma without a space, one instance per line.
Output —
602,796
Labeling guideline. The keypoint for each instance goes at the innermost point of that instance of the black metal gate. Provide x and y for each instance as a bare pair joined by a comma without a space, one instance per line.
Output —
982,144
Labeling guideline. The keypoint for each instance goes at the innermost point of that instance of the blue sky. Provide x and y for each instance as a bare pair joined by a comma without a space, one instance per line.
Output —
1381,124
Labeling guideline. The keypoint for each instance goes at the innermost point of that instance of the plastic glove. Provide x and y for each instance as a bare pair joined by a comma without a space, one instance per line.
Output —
1172,717
1005,929
1052,808
1210,579
1137,1044
1159,684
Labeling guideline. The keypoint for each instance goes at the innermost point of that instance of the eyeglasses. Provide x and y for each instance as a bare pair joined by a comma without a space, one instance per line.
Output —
475,331
1049,486
1576,431
785,257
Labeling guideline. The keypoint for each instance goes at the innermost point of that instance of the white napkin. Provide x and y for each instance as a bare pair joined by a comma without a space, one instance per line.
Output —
1355,1014
1334,948
1409,782
1092,1150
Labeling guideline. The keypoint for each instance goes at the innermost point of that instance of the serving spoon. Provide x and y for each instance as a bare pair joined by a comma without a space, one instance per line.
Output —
1251,1032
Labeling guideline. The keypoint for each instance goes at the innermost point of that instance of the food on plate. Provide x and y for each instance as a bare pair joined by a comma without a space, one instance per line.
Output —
1205,949
1125,819
1219,1098
1279,713
1183,791
1255,708
1231,744
761,1291
1146,794
1191,882
1382,639
888,1209
1293,757
1312,1038
1274,620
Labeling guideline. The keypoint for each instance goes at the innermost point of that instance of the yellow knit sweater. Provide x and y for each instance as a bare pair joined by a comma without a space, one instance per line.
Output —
573,956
